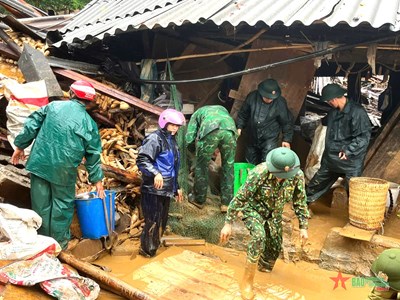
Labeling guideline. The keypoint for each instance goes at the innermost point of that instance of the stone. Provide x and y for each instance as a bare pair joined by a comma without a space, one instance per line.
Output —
350,256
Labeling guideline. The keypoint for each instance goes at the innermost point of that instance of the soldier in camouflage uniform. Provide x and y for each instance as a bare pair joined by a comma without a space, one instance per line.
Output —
210,128
261,201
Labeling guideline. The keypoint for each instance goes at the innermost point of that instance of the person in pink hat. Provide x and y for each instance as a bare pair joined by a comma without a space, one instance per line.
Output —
159,160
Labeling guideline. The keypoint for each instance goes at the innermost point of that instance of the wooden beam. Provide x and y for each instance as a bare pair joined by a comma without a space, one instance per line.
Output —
376,239
229,52
236,95
121,175
107,279
382,136
7,39
7,52
249,41
105,89
184,242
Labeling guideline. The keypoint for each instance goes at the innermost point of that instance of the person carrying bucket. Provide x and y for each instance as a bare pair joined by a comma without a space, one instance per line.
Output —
159,160
261,200
64,134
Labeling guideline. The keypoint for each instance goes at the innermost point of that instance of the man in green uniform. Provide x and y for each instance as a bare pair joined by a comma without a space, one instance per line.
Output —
261,201
266,115
346,142
387,268
211,127
64,134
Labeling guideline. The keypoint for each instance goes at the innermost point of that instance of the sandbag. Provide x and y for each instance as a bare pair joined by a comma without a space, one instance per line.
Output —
23,99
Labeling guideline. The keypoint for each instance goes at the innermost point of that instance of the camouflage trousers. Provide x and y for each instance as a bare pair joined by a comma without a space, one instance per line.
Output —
266,240
225,141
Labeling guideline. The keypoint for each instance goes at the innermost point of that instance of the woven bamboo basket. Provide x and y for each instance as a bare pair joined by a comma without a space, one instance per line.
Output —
367,202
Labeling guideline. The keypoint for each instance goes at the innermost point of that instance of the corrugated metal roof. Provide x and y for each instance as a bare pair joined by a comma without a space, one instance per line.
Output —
101,11
102,18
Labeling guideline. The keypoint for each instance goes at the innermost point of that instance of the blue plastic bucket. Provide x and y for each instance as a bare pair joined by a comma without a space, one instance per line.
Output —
91,214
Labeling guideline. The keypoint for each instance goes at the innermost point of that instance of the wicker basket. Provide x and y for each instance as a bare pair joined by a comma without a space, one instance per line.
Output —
367,202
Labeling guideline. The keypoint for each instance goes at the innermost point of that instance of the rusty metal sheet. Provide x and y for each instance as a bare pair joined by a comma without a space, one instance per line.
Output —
105,89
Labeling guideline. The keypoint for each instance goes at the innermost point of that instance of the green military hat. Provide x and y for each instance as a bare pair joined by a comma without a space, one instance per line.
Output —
331,91
269,89
283,162
388,262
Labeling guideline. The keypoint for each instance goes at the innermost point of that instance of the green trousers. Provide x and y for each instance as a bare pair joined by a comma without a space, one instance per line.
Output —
225,141
55,204
265,244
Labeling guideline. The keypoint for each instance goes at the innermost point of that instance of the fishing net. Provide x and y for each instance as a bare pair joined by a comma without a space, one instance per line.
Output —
184,218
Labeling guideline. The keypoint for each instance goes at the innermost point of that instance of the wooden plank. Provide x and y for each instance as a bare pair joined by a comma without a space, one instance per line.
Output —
294,79
353,232
385,163
236,95
383,136
105,89
184,242
386,241
121,175
7,52
188,275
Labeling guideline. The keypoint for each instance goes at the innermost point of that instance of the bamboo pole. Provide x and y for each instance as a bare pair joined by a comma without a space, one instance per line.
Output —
118,286
229,52
252,39
234,51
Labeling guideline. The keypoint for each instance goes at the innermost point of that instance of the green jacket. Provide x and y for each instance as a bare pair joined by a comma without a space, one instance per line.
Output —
64,133
207,119
262,194
348,130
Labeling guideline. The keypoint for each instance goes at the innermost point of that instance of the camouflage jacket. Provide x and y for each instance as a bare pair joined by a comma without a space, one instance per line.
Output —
207,119
263,195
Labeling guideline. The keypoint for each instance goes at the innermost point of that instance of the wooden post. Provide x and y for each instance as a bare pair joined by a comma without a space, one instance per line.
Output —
118,286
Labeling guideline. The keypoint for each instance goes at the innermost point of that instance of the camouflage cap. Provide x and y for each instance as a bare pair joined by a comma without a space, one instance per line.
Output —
283,162
388,262
269,89
331,91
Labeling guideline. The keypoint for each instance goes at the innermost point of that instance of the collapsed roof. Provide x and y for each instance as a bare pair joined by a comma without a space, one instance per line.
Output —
105,18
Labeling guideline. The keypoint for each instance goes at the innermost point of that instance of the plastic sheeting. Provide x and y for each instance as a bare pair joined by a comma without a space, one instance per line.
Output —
314,157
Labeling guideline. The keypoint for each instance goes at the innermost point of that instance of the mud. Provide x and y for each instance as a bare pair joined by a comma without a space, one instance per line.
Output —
300,280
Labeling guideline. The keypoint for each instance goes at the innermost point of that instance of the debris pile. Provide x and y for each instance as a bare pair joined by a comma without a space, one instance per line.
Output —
121,127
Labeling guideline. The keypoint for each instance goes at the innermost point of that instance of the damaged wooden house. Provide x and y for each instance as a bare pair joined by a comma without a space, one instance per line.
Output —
145,56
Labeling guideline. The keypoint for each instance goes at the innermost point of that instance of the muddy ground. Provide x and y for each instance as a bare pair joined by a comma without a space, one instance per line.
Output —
213,272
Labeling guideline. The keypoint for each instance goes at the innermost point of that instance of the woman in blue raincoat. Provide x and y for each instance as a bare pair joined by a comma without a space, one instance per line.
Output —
159,160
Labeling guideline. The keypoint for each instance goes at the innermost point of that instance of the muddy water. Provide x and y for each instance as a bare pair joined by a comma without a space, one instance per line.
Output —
287,281
301,280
